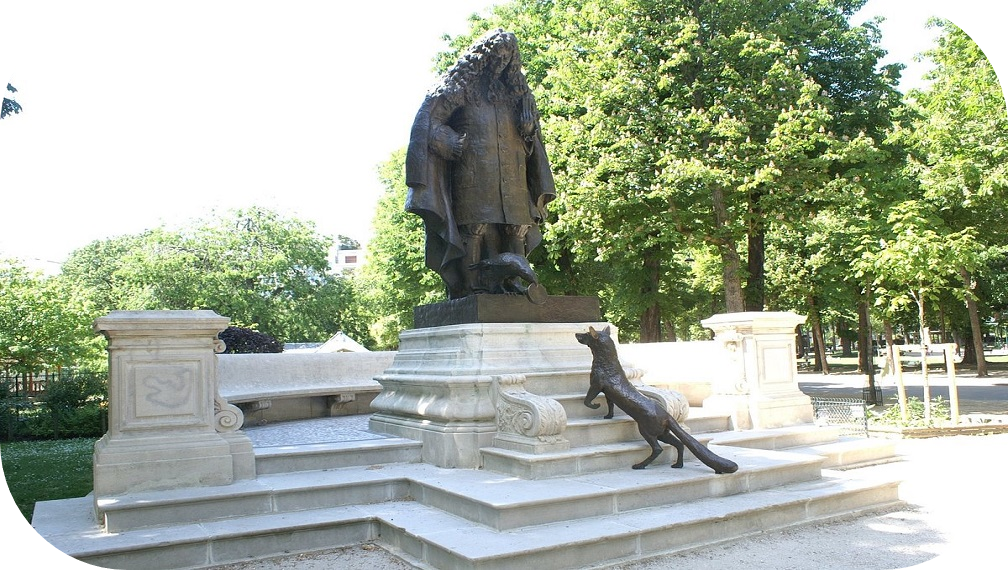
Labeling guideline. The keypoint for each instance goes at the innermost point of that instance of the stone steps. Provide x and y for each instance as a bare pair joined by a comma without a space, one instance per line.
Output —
322,495
434,539
494,499
625,527
318,456
600,445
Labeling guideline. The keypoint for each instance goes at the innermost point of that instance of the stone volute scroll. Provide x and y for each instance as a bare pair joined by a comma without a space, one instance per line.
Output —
675,403
526,422
227,417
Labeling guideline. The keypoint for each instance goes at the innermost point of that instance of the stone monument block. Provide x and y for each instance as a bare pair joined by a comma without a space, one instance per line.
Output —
758,378
446,384
168,428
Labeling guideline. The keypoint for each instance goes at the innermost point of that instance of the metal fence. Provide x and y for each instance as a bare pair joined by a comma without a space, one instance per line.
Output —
29,384
849,414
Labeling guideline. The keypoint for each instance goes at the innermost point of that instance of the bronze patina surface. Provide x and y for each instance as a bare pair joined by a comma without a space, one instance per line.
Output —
507,309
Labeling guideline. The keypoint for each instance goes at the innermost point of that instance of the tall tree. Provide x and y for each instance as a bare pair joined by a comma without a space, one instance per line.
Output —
252,265
676,126
961,140
920,258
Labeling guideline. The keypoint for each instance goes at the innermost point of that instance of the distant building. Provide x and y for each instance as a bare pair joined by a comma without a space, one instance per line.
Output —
346,259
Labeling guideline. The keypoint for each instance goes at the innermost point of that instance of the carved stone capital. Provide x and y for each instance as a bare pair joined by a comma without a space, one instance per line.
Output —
527,422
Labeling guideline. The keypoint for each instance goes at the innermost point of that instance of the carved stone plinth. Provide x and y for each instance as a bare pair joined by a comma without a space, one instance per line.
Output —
758,376
168,427
447,384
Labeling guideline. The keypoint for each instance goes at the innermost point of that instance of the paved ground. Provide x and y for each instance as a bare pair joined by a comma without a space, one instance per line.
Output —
956,510
976,395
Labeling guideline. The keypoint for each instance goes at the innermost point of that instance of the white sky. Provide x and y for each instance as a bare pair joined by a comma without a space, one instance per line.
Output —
138,114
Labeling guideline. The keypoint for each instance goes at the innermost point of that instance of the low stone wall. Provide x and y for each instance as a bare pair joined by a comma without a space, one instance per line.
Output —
684,367
281,387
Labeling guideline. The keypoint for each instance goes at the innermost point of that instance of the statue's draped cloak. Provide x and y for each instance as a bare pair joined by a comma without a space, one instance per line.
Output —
429,178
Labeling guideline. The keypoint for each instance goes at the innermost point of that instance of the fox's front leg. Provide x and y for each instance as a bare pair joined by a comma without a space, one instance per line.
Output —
610,414
593,393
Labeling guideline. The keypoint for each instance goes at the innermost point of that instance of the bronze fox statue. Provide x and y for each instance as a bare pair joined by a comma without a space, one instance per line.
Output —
653,421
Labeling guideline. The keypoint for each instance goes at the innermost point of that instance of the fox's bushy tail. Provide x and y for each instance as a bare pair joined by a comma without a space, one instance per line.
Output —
706,456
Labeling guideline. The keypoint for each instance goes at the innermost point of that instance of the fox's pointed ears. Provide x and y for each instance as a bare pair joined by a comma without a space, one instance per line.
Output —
593,332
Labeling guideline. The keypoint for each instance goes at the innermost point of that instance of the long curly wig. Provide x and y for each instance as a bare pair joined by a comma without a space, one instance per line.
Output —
497,53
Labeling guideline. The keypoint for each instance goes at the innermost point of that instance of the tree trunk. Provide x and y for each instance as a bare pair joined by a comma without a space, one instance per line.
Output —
755,289
843,331
866,352
925,342
650,323
731,273
974,317
896,365
818,342
731,263
800,343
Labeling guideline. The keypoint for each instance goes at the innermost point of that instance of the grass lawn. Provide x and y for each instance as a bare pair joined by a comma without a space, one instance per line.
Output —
47,470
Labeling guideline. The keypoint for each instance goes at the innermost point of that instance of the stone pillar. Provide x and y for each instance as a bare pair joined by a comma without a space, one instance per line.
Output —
168,427
757,380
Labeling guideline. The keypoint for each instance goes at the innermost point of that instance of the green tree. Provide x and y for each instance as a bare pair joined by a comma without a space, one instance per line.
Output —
43,325
97,269
254,266
678,126
960,142
345,242
9,106
921,258
394,278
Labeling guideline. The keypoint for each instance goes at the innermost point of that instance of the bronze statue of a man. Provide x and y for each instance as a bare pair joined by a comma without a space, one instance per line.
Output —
476,166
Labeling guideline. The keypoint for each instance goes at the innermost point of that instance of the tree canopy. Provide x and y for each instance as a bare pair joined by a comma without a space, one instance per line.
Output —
252,265
43,325
681,127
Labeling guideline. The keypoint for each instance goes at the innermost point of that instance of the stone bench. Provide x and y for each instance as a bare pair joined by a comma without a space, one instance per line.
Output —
281,387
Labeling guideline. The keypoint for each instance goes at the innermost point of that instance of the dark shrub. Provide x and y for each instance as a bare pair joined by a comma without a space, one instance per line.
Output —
239,340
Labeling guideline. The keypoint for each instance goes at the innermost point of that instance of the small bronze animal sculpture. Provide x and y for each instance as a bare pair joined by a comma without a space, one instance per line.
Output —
503,273
653,421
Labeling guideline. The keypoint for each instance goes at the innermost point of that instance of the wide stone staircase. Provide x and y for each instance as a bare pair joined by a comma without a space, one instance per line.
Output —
330,482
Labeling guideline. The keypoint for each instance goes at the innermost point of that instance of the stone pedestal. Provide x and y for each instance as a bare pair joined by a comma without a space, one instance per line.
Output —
168,428
445,382
507,309
757,379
